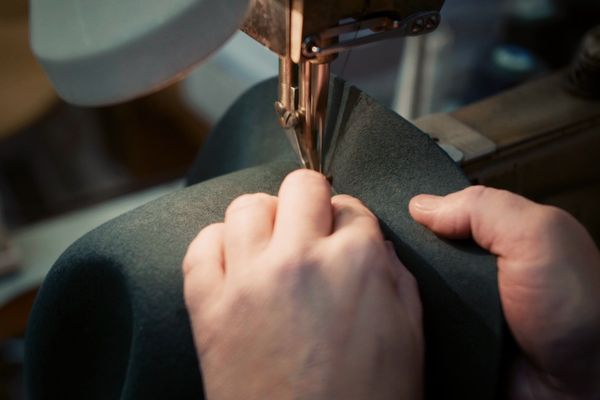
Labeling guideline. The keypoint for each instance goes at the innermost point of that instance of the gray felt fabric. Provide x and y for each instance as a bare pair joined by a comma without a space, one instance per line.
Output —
110,321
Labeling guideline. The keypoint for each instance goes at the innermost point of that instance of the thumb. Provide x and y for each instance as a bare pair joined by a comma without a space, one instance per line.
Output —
492,217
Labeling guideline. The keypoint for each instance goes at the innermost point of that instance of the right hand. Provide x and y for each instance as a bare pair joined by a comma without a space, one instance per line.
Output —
299,297
549,282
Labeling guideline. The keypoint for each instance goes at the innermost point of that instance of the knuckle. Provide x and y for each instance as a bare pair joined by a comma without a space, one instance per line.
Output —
483,194
190,294
372,238
192,254
208,231
371,226
246,201
205,234
479,197
263,198
344,200
342,203
477,189
187,265
362,247
193,294
478,192
189,260
243,201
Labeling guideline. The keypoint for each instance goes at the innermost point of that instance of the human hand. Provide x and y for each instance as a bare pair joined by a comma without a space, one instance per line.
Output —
299,297
549,282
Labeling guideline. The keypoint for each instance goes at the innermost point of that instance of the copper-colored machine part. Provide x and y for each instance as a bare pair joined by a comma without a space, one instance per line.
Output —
306,34
277,23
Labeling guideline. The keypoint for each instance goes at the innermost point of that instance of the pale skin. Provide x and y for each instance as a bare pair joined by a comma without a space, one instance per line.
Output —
299,296
549,281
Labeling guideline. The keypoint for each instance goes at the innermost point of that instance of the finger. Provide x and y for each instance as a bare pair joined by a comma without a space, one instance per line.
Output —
406,284
357,239
494,218
248,225
405,280
304,207
203,264
351,216
395,268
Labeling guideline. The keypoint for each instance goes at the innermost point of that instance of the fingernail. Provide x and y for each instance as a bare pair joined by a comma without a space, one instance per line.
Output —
427,202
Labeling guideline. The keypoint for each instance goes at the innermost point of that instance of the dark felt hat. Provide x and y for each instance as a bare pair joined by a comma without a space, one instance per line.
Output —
110,321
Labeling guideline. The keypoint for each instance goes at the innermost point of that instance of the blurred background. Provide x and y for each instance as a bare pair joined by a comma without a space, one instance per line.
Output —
65,169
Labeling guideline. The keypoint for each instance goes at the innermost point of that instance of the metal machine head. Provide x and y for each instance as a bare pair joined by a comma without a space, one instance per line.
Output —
308,34
312,28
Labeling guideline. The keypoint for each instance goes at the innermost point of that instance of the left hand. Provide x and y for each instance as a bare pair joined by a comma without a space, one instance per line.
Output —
549,283
300,297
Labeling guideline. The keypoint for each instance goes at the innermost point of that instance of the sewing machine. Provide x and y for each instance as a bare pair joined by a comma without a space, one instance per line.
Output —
104,59
99,53
308,36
